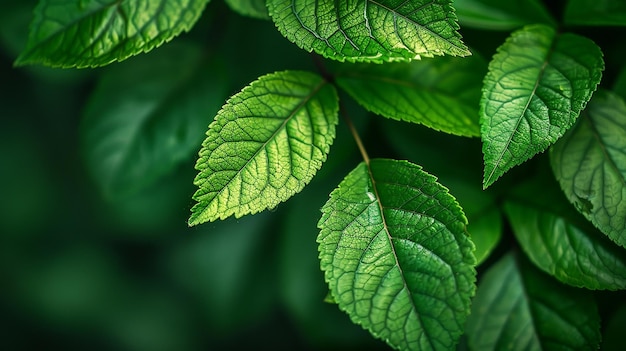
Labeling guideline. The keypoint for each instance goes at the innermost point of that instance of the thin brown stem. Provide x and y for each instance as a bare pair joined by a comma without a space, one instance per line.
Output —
355,135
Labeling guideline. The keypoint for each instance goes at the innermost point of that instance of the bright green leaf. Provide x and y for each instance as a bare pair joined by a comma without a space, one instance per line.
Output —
519,308
97,32
501,15
590,164
251,8
538,82
265,145
439,93
370,30
595,12
554,243
138,125
396,255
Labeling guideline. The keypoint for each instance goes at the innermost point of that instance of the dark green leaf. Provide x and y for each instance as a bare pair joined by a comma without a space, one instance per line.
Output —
556,244
501,15
620,84
439,93
139,125
613,337
265,145
595,12
590,164
370,31
519,308
396,255
537,84
97,32
251,8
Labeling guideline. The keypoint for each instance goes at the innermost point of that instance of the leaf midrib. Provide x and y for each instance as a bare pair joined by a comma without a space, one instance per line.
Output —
393,248
463,49
521,116
303,103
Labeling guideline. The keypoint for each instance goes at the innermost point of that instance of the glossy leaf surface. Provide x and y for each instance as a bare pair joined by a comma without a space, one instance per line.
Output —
439,93
370,30
537,84
590,164
396,255
265,145
94,33
519,308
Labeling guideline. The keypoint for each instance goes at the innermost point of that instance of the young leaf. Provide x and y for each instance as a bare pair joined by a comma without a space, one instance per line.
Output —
518,308
554,243
396,255
251,8
138,125
439,93
370,31
537,84
590,165
95,33
501,15
595,12
265,145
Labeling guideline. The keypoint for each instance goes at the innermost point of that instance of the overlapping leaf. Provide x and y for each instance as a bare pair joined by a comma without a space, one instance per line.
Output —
251,8
439,93
590,164
370,30
138,125
537,84
501,15
396,255
265,145
519,308
97,32
557,245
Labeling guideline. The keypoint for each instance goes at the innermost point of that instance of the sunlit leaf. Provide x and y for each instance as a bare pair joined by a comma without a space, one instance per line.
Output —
538,82
519,308
440,93
265,145
396,255
595,12
501,15
590,164
368,30
138,125
93,33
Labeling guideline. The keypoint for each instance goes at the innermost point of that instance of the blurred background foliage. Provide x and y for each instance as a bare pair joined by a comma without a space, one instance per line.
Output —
87,263
82,268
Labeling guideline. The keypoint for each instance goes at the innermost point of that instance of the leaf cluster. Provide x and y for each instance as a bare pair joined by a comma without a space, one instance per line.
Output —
495,207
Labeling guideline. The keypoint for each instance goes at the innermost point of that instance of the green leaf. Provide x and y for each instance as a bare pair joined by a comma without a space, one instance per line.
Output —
590,165
435,92
396,255
138,125
250,8
501,15
558,246
265,145
537,84
518,308
619,87
595,12
370,30
94,33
